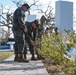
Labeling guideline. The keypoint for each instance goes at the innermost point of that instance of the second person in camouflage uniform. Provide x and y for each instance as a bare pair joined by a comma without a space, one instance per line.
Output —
32,32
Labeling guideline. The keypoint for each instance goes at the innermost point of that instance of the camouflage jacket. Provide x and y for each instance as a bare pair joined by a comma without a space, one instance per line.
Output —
31,31
19,19
40,28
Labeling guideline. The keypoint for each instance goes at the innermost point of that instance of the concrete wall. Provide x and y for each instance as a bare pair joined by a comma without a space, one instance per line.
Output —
64,15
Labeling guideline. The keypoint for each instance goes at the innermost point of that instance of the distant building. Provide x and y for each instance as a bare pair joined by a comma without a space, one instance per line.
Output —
64,15
30,18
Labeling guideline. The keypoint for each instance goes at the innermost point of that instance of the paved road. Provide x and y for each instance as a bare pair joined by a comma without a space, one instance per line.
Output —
9,67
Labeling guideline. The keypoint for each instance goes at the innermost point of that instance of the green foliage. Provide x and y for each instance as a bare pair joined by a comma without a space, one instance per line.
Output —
54,49
70,45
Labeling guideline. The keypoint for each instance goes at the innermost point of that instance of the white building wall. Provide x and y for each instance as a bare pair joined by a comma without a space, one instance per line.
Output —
30,18
64,15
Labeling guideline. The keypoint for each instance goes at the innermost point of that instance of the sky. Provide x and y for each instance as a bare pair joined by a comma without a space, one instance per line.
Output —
12,6
44,3
9,4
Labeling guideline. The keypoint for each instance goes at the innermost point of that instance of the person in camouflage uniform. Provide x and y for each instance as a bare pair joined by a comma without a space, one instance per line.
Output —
32,31
18,30
40,30
41,27
56,30
40,34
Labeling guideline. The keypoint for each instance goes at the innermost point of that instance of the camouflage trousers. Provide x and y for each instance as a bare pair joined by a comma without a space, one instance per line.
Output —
31,47
19,41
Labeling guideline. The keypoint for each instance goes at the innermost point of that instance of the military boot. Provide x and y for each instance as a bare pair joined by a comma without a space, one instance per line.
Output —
21,59
33,58
39,57
16,57
24,56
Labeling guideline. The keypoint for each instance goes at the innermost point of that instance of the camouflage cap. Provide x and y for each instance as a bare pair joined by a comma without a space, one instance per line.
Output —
36,22
26,5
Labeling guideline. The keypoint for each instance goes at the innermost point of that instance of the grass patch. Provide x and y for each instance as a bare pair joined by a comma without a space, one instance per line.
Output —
5,55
